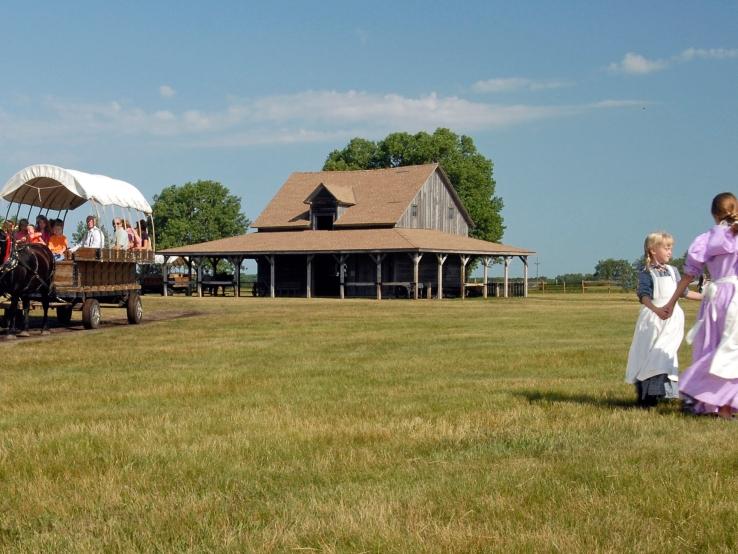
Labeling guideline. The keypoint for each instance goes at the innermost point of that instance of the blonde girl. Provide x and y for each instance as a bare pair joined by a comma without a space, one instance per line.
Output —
652,359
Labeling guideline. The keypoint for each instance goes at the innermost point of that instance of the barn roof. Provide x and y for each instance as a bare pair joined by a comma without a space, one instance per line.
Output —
347,241
374,197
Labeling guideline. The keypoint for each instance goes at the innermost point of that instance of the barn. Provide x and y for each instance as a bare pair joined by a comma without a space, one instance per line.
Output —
372,233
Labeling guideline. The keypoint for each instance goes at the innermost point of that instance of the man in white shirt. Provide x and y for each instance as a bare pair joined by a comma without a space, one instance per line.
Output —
93,238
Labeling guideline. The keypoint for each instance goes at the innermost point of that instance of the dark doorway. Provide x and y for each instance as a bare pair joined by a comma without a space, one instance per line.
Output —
326,281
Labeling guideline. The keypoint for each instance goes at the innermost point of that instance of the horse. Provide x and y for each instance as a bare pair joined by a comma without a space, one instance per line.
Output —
26,269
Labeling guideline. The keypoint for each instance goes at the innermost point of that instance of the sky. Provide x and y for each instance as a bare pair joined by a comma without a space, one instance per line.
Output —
604,120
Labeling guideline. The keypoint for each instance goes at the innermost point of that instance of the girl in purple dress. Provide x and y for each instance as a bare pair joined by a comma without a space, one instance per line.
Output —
710,384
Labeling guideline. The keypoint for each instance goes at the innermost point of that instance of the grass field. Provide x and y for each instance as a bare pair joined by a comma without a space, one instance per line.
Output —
355,426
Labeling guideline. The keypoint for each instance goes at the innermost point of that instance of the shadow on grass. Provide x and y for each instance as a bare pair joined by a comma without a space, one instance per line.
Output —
605,402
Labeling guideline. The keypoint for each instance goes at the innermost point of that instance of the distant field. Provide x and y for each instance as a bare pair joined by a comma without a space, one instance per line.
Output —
355,426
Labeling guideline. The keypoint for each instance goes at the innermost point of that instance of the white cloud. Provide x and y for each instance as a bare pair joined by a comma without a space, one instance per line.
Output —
635,64
309,116
511,84
166,91
707,54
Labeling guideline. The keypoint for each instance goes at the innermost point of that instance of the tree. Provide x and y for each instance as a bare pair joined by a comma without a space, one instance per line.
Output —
620,271
470,173
196,212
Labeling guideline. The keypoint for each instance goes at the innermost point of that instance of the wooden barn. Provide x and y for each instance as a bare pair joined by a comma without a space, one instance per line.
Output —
373,233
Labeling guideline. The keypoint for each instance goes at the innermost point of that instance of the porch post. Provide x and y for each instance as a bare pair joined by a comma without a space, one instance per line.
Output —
271,275
342,273
485,261
164,277
309,288
236,261
441,258
199,278
507,276
416,271
524,259
378,260
464,261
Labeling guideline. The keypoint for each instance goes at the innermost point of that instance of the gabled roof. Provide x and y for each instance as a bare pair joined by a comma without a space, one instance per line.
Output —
381,196
348,241
344,195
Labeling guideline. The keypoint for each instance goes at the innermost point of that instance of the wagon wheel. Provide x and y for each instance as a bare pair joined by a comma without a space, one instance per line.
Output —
134,308
64,314
91,313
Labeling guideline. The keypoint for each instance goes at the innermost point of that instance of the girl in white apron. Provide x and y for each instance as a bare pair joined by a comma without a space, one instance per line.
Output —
653,366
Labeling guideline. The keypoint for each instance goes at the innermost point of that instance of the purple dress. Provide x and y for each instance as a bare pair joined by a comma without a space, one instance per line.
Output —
712,379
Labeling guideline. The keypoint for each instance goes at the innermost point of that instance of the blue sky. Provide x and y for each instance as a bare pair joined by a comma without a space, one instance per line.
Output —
605,120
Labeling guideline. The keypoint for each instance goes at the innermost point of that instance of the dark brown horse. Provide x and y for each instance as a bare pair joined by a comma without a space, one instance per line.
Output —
26,270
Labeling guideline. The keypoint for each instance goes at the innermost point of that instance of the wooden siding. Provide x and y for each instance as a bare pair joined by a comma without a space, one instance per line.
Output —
433,201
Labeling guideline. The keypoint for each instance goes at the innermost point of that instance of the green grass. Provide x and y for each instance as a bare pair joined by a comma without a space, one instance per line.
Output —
355,426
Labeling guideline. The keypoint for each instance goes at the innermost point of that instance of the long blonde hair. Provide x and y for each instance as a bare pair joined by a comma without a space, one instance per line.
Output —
653,240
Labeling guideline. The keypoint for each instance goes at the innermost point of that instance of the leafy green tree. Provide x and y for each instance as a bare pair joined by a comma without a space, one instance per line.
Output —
470,173
196,212
573,278
620,271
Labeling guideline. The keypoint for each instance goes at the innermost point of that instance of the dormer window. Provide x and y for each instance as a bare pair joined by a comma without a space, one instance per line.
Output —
327,202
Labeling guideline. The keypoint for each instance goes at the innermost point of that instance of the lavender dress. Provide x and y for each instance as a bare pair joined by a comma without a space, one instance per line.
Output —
712,379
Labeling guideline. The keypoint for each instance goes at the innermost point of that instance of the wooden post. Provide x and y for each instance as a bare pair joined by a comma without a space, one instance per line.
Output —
416,257
378,260
237,275
270,259
342,274
441,258
464,261
485,261
199,278
525,275
506,279
164,278
309,288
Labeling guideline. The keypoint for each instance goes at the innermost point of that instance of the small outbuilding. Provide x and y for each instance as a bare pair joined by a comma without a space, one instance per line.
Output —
386,232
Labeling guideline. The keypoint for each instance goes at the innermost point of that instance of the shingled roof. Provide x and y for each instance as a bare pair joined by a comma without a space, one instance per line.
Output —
348,241
380,196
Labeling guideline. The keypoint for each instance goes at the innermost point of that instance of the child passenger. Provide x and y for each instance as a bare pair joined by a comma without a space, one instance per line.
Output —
652,361
33,236
58,242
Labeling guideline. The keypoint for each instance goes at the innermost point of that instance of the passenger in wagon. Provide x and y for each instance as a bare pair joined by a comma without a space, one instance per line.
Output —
93,238
120,237
58,242
44,227
34,237
134,239
143,233
21,235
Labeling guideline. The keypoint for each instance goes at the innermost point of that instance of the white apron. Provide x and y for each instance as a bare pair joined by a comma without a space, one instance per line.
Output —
725,360
656,341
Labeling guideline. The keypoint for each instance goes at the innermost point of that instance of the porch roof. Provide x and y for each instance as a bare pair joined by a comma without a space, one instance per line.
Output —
347,241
